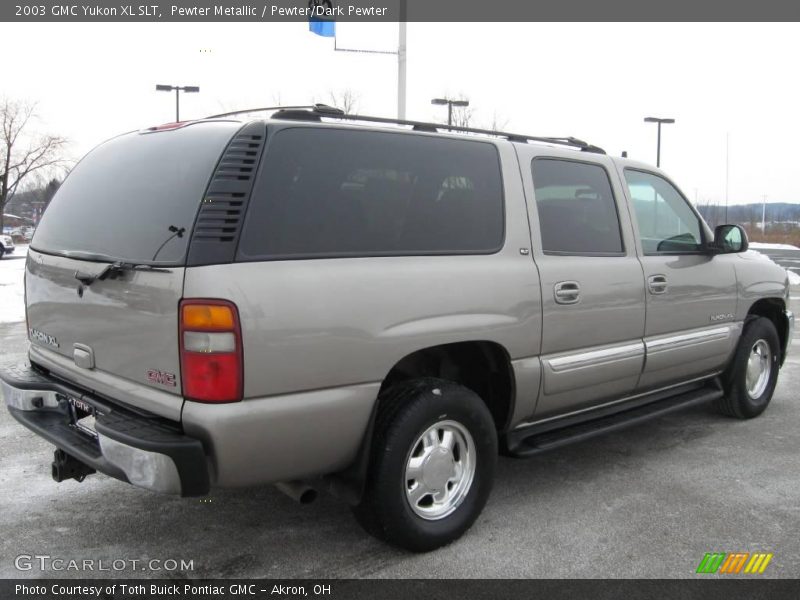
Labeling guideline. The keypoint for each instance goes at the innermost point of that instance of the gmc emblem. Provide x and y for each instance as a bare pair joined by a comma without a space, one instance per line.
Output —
161,377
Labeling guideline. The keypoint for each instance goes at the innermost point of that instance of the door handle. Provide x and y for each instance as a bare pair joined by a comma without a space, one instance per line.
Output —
567,292
657,284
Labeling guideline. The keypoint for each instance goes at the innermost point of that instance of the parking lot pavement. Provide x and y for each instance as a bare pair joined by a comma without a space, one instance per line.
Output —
649,501
785,257
788,259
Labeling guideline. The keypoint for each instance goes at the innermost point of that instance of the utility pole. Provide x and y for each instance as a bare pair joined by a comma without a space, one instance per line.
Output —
764,215
401,62
401,58
727,170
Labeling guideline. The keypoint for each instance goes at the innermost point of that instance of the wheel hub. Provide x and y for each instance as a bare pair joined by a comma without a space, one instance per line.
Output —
759,368
439,470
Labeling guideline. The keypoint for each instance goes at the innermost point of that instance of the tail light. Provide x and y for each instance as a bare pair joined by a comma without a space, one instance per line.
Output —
211,351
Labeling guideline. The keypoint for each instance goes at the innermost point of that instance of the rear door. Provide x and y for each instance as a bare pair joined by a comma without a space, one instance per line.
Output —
592,286
691,294
132,200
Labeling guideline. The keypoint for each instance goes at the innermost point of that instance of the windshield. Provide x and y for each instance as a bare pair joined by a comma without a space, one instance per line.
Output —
126,199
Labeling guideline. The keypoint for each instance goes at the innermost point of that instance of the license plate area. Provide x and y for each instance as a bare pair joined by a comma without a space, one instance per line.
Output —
82,417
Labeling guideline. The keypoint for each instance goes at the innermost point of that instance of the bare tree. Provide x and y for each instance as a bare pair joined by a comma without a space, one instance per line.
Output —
347,100
23,154
463,115
499,123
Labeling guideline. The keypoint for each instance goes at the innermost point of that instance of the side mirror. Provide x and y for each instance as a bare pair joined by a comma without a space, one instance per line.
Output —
729,239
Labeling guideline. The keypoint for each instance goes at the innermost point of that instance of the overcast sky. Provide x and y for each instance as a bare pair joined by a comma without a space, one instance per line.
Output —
592,81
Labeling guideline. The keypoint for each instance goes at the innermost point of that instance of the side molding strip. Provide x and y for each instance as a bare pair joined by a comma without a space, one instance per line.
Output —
595,357
683,340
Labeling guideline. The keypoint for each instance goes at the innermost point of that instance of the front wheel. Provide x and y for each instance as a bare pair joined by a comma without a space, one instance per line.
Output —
431,467
751,378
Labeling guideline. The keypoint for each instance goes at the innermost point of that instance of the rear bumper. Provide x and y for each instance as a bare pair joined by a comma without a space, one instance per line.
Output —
139,449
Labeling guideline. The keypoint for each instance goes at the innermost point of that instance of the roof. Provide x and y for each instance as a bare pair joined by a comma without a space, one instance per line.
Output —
318,112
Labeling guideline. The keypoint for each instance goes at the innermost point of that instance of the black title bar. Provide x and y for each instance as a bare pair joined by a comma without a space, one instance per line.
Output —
410,10
731,588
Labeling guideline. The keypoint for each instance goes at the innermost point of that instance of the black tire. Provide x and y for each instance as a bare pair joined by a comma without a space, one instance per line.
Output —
407,411
738,401
2,251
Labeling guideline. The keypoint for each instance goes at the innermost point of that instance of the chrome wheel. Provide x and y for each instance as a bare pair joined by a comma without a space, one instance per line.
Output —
439,470
759,367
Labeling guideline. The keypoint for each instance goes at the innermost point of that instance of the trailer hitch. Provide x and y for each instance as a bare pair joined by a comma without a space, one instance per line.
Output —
68,467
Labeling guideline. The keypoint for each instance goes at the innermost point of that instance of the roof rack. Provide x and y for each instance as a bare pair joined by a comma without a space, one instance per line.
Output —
233,113
319,111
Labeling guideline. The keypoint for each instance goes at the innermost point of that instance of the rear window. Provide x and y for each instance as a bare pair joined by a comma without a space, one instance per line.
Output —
334,192
122,198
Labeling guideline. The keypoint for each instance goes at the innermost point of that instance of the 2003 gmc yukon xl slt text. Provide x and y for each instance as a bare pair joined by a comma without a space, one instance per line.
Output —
314,301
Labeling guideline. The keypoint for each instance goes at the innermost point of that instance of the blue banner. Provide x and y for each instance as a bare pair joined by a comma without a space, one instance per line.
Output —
323,28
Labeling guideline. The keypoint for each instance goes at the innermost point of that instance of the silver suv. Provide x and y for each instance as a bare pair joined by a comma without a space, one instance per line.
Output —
326,301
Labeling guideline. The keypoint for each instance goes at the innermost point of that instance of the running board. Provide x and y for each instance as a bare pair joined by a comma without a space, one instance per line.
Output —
549,440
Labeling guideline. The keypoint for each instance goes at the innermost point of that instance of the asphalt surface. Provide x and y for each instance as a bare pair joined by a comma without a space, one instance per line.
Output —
788,259
649,501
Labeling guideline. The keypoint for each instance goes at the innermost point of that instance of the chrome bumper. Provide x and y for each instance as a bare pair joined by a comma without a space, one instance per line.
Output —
128,447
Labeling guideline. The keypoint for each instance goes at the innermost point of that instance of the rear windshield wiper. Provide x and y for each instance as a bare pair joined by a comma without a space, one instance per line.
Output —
115,269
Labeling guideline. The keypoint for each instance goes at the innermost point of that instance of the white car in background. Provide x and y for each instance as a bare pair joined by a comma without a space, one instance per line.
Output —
6,245
22,234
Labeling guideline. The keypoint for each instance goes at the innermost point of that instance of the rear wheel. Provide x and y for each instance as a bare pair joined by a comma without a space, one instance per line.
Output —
431,467
753,373
2,251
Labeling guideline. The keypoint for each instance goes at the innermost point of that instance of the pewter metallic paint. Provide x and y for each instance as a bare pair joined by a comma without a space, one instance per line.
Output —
320,335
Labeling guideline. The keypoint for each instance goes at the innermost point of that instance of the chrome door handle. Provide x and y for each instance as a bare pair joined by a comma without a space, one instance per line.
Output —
657,284
567,292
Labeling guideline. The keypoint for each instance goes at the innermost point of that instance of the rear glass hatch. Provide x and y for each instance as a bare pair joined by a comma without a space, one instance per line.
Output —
105,269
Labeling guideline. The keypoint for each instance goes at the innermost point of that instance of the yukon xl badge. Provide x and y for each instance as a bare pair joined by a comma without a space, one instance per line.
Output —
43,338
722,317
156,376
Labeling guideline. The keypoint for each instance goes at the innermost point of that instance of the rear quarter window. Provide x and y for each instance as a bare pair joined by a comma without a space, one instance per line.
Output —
337,192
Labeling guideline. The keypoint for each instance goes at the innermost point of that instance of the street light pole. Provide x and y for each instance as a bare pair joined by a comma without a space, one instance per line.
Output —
401,52
401,62
178,89
658,146
450,104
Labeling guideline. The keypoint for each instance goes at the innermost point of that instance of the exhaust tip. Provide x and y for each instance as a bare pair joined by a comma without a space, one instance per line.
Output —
308,496
298,491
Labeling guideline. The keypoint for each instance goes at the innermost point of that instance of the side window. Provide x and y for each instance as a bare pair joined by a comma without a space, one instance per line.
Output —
666,221
338,192
577,211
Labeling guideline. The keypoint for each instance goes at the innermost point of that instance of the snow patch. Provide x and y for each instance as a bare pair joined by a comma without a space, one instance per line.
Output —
765,246
794,278
12,291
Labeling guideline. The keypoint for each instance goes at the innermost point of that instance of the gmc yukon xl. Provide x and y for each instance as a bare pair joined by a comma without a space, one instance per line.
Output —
376,309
